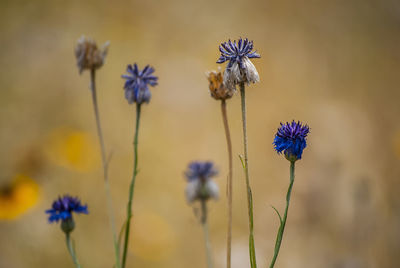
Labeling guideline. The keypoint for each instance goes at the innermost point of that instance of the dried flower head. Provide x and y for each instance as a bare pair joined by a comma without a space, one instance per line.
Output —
87,54
291,139
200,185
137,83
217,88
240,68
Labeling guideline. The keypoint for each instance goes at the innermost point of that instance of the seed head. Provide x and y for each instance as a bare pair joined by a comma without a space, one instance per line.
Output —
88,55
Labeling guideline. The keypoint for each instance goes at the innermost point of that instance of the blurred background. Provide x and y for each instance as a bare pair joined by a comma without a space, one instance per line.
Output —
331,64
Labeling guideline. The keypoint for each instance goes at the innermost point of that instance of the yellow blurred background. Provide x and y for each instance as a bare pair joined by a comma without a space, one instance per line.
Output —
331,64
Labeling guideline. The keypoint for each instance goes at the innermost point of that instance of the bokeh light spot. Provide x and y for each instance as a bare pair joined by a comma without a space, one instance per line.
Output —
18,197
153,238
73,149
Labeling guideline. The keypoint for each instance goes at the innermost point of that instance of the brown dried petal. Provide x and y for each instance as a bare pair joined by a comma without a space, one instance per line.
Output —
88,55
217,88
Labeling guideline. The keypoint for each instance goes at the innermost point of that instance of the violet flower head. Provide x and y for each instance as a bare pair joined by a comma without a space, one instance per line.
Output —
137,83
200,185
62,209
239,68
291,140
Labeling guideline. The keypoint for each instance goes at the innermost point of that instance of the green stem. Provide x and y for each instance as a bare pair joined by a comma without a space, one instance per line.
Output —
252,250
131,187
71,250
281,229
204,224
229,184
105,165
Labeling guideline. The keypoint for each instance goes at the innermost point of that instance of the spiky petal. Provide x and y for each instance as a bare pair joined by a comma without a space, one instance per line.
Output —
137,83
239,68
291,139
63,207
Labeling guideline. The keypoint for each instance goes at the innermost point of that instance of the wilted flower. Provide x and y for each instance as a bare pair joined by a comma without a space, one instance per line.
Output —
62,209
87,54
217,88
137,83
291,139
240,68
200,185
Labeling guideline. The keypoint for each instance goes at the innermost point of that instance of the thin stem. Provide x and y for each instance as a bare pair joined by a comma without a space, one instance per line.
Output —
204,223
105,164
229,184
71,250
252,250
281,229
131,187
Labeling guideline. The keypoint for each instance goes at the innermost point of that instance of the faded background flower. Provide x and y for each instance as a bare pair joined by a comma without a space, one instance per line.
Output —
334,65
200,185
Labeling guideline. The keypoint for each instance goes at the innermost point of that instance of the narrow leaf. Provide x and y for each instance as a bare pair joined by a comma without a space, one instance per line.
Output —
277,212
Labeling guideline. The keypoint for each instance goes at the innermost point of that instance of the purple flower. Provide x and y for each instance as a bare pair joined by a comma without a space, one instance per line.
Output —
291,139
200,170
240,69
200,185
235,53
63,207
137,83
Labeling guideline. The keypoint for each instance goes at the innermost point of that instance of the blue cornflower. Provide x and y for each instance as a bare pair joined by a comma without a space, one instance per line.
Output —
63,207
240,68
291,139
137,83
200,186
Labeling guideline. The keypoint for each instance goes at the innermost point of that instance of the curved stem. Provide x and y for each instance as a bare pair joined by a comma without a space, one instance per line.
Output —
204,224
105,165
252,250
131,187
281,229
229,184
71,250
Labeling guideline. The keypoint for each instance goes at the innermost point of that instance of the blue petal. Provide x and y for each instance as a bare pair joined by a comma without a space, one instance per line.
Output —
54,218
